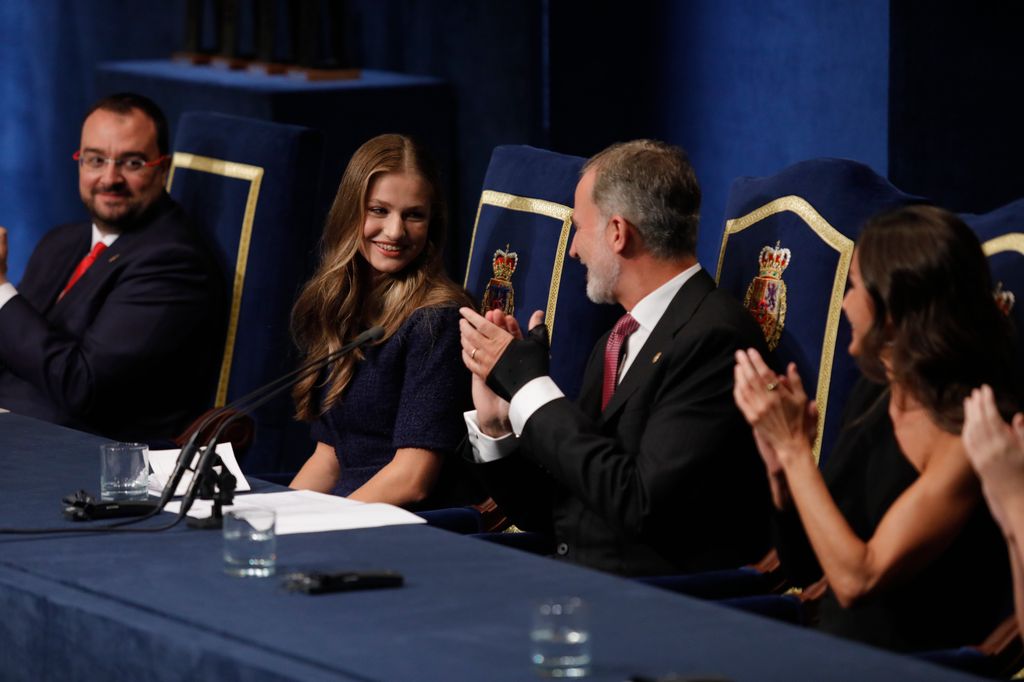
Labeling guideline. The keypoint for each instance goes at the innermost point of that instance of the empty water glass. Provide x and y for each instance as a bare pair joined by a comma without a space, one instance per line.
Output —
124,471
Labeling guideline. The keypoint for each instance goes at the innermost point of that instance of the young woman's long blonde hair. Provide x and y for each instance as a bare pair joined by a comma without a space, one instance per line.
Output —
346,296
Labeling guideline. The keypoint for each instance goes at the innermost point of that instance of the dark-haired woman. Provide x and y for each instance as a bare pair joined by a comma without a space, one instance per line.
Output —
385,420
895,522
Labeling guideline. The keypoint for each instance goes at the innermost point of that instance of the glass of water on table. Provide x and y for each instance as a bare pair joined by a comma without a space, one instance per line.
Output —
250,544
560,637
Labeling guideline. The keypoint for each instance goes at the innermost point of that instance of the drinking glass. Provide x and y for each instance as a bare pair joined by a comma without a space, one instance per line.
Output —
560,637
250,544
124,471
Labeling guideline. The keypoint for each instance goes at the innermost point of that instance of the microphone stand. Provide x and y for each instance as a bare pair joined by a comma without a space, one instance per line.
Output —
82,508
206,482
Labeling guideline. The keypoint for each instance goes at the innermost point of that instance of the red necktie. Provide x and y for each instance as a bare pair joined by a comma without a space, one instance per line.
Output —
613,353
84,265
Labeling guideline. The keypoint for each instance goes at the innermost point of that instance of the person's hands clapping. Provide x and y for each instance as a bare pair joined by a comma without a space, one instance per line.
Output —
784,421
493,353
996,451
485,338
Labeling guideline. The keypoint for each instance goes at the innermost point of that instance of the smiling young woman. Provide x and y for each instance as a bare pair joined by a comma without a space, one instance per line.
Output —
387,419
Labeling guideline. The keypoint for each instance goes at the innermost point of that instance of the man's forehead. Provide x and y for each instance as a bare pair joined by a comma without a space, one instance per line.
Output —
104,127
584,190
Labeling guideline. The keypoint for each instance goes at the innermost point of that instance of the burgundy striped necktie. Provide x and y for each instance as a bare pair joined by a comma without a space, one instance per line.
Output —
84,265
613,355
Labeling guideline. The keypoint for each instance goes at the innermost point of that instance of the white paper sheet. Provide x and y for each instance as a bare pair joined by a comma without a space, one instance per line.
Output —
162,463
304,511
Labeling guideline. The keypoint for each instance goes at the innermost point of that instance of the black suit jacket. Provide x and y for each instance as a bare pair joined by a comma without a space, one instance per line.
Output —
131,351
667,479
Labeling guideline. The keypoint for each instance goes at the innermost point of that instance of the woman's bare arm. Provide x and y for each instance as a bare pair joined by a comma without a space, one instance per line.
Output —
408,478
320,472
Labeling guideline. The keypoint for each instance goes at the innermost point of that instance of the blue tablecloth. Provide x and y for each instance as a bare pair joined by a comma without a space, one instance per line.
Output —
159,607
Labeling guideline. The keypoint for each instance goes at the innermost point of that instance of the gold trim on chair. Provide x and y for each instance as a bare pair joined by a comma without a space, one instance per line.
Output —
838,241
236,171
540,207
1011,241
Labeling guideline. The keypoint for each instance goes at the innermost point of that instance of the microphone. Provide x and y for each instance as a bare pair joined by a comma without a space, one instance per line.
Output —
240,408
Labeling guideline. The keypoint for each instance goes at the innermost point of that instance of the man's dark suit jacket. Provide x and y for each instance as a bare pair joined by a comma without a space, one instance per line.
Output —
667,479
131,351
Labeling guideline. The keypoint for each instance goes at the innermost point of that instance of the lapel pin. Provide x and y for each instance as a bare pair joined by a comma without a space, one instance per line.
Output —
113,258
657,356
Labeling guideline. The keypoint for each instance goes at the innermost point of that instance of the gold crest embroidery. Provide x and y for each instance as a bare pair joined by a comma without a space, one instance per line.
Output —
499,293
766,295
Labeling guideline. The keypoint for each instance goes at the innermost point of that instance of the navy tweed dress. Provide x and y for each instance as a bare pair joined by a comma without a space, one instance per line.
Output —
409,392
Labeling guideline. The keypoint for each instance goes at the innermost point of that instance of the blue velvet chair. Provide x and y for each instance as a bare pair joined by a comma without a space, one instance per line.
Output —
252,186
816,209
526,209
461,520
1001,655
785,252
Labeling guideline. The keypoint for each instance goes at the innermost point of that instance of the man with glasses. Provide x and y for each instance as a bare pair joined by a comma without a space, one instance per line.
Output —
117,325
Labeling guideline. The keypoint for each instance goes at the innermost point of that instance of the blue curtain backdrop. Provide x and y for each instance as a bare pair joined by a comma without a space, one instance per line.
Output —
48,50
778,82
746,86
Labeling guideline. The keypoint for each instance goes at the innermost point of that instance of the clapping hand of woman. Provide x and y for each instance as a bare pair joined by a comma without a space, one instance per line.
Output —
996,451
783,419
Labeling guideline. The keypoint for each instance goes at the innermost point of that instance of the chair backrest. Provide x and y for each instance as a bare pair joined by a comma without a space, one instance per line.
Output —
1002,237
785,252
252,186
519,255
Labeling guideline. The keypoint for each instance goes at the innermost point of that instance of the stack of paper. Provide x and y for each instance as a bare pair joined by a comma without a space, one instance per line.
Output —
304,511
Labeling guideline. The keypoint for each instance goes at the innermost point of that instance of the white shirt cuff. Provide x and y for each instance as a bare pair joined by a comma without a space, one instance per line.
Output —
486,448
530,398
7,292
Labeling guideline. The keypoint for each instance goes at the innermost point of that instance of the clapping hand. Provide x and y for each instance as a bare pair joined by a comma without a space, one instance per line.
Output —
784,421
996,451
484,340
775,406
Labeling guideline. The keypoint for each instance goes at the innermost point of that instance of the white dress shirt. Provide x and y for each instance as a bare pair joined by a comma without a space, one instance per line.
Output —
7,290
542,390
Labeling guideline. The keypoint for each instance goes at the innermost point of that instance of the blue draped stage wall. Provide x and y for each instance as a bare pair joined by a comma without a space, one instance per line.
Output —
779,83
747,86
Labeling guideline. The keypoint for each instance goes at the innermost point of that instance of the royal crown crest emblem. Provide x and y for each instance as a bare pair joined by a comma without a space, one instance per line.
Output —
499,293
1004,299
766,295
